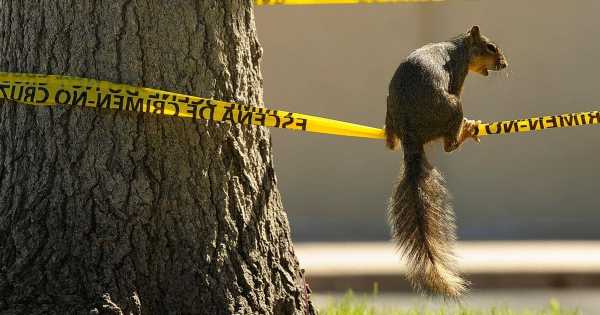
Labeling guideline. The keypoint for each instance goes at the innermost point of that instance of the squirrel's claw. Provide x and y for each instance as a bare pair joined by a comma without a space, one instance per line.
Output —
475,130
471,127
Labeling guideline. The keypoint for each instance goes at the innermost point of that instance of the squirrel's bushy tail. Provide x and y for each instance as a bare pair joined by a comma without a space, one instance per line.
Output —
423,225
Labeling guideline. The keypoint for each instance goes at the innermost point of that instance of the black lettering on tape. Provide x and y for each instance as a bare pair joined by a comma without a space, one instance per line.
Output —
276,117
228,115
534,123
149,101
175,107
551,122
117,101
137,106
79,98
569,120
159,107
260,118
12,93
3,89
70,91
301,122
244,117
508,126
191,108
62,97
210,108
148,105
103,99
45,96
287,120
523,124
594,115
29,94
488,128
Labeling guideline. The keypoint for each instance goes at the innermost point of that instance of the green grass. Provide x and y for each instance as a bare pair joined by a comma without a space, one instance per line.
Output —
351,304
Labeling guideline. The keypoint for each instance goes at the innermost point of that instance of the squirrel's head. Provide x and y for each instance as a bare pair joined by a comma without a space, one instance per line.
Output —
484,55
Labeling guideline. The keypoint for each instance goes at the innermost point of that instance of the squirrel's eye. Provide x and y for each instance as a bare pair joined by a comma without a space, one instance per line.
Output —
491,47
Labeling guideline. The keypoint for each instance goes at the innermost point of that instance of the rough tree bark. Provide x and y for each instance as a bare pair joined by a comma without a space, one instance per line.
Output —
109,212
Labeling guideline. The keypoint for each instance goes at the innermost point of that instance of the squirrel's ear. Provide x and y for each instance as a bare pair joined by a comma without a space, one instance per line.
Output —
474,32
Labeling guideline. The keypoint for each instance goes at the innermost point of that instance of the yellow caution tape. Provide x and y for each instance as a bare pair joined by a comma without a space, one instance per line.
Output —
311,2
47,90
36,89
539,123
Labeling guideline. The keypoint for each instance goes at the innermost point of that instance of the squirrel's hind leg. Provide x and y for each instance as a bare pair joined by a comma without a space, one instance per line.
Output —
391,140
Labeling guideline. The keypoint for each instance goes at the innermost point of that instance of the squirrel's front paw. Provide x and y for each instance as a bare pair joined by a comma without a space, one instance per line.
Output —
470,129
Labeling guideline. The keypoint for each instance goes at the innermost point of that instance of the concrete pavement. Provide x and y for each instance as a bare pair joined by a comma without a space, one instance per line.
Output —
489,264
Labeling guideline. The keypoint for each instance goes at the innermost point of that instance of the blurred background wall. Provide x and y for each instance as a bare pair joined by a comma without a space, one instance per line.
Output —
336,61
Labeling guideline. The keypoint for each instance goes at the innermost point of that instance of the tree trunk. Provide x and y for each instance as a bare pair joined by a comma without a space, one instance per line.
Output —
112,212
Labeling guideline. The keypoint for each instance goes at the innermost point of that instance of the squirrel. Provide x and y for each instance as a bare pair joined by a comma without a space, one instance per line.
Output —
424,105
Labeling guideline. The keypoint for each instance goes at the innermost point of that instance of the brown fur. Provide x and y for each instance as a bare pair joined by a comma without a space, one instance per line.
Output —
424,105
